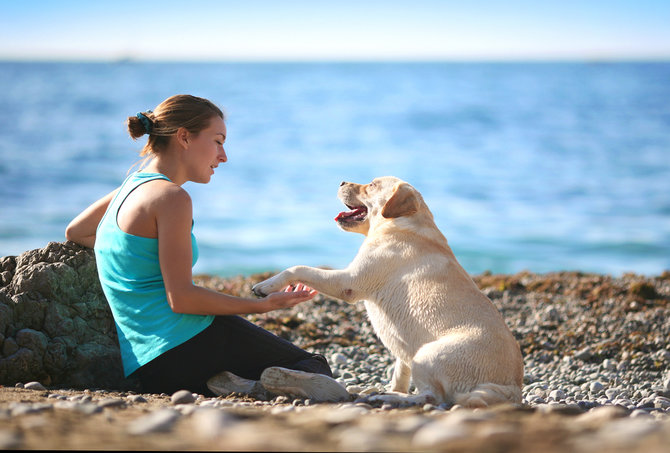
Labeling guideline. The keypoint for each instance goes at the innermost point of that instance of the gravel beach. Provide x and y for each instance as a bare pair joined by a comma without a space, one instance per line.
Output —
597,378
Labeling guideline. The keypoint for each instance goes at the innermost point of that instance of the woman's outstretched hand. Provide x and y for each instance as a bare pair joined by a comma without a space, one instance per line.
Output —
291,295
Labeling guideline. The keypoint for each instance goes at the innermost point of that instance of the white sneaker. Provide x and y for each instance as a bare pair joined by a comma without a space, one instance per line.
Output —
317,387
226,383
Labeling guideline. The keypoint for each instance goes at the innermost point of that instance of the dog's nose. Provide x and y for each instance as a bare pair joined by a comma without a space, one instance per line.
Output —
342,183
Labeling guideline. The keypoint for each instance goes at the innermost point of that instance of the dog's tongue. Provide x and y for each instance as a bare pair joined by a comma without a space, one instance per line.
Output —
353,212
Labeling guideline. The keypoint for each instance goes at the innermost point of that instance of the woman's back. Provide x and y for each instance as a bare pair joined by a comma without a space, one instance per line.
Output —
131,278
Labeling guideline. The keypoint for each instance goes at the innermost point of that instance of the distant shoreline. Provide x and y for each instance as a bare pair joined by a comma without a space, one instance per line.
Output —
530,61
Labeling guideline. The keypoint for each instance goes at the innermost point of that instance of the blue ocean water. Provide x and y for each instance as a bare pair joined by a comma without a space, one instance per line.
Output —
542,166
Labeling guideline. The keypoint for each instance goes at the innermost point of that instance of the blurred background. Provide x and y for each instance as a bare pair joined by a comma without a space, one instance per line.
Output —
538,132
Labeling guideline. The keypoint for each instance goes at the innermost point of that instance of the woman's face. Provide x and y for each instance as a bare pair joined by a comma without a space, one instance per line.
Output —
205,151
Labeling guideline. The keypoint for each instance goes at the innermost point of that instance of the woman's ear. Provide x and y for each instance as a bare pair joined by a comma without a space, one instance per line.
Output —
403,202
183,136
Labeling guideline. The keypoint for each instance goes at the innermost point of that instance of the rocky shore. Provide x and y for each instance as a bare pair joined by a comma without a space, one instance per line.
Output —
596,351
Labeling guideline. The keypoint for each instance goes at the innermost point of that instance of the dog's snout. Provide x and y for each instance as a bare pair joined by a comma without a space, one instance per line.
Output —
342,183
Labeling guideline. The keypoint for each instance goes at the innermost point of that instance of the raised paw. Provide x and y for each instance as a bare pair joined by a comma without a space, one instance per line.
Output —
271,285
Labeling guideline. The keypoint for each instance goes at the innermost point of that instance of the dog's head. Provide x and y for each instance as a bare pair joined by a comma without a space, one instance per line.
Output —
384,198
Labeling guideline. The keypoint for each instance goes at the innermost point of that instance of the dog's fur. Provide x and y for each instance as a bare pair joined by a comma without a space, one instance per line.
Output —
444,332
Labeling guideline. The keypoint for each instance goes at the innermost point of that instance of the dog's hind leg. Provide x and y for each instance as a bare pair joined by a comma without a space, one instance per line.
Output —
441,369
445,370
401,376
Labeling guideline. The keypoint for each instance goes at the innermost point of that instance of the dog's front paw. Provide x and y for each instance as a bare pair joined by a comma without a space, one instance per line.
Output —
271,285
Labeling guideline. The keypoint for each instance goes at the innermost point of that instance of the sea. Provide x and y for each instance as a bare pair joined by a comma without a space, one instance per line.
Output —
526,166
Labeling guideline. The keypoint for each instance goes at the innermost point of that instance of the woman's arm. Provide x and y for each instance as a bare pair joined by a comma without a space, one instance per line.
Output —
173,220
82,229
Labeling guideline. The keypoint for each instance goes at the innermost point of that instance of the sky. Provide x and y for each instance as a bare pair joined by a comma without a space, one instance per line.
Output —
334,30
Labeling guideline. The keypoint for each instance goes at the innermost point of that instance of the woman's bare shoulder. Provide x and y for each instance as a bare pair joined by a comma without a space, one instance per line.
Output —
164,195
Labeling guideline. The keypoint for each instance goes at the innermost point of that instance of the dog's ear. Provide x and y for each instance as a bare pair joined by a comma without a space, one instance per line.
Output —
403,202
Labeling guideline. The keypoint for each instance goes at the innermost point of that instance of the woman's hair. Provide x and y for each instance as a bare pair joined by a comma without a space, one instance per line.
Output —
183,110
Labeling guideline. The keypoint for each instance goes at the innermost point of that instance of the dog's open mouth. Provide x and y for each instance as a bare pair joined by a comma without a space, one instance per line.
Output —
356,214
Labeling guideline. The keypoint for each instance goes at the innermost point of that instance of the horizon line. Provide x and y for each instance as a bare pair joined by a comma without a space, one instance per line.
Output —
501,60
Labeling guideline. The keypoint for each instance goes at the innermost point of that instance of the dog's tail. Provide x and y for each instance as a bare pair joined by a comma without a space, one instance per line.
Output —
488,394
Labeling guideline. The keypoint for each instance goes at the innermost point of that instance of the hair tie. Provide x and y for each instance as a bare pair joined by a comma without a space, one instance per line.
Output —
146,122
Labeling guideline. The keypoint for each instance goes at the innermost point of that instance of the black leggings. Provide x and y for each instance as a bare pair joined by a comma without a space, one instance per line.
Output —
230,343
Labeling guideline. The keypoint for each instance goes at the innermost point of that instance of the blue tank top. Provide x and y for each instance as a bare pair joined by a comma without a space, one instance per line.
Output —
131,279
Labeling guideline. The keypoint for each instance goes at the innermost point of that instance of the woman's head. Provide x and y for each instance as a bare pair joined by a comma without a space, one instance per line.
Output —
190,112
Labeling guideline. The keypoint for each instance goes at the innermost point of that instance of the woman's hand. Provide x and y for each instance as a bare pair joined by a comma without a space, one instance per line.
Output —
289,297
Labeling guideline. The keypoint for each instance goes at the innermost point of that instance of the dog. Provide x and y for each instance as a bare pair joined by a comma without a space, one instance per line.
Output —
446,335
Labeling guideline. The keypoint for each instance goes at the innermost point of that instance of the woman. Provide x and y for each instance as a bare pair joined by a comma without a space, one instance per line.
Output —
172,333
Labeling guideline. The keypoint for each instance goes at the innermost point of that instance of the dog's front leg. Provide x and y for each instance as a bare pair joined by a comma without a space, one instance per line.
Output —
340,284
401,376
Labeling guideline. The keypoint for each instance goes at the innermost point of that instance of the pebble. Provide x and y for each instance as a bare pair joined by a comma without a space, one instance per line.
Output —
612,393
625,432
86,407
34,385
9,440
17,409
346,413
161,420
439,433
182,397
497,433
599,415
646,403
186,409
411,424
338,359
136,399
662,402
640,413
281,409
557,395
211,423
354,438
584,354
596,387
111,402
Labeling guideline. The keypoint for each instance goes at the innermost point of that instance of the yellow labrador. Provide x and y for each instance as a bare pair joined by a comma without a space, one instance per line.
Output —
443,331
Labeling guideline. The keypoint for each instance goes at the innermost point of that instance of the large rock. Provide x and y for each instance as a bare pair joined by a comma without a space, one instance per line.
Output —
55,324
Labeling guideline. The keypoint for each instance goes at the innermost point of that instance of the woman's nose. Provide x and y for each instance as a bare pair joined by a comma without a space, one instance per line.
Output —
222,156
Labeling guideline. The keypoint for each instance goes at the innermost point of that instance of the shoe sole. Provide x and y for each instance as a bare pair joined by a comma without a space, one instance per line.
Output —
316,387
226,383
